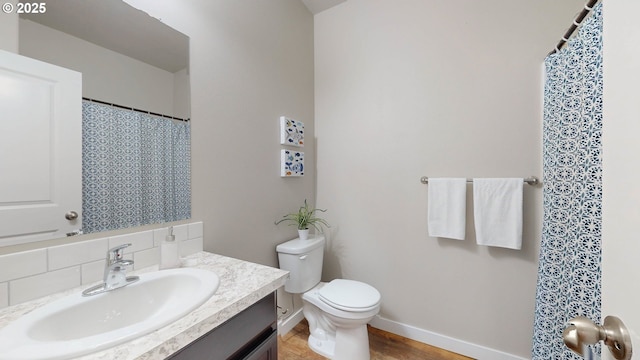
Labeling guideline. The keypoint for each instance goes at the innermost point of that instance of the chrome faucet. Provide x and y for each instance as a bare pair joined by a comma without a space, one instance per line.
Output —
115,275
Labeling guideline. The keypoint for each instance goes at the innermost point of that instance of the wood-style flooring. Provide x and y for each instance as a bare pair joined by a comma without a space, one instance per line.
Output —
383,346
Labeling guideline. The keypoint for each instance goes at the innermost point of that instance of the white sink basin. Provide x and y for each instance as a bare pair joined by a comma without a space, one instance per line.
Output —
77,325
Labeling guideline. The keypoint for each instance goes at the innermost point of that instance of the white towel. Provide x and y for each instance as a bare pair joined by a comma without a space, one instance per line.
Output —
447,207
497,211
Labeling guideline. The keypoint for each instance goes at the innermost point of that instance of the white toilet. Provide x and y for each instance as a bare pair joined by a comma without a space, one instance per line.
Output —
337,311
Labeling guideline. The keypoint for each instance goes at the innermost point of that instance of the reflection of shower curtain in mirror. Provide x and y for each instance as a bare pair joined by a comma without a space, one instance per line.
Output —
570,255
135,168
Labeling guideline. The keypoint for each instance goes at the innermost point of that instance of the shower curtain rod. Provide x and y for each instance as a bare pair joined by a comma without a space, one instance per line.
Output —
578,20
134,109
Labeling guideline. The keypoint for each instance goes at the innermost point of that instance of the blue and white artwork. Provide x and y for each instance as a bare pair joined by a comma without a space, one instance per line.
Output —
291,163
291,132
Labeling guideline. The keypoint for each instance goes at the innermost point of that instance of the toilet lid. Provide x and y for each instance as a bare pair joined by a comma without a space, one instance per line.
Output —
349,295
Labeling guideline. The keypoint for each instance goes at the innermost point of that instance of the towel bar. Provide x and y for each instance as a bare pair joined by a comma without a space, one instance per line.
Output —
531,180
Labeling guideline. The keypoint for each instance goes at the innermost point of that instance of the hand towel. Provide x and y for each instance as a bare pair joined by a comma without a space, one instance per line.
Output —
447,206
497,211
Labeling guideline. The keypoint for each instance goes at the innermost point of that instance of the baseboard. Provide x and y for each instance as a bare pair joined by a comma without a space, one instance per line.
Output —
444,342
286,324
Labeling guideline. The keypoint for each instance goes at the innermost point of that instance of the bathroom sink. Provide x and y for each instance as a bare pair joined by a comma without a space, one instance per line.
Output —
75,325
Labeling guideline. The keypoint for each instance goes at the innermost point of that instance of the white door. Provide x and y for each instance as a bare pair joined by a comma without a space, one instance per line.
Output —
621,167
40,149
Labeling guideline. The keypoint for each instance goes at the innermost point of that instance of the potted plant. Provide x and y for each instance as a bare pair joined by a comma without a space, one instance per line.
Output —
304,219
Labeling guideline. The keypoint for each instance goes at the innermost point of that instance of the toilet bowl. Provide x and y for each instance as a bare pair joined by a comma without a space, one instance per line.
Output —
338,327
337,311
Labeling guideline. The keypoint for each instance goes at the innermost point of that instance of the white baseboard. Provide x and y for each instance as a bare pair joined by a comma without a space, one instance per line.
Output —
442,341
286,324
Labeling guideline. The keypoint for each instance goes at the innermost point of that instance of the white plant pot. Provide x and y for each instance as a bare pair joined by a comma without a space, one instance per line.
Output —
303,234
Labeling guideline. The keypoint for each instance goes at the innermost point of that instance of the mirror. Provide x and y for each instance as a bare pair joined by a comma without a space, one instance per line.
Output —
126,57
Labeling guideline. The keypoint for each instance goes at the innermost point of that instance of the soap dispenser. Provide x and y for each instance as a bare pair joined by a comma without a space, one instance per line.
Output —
169,252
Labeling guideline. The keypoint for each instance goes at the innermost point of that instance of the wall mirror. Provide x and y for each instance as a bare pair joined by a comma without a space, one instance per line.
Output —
127,59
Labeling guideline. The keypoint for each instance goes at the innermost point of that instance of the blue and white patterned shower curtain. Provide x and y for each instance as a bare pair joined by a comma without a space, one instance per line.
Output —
135,168
570,256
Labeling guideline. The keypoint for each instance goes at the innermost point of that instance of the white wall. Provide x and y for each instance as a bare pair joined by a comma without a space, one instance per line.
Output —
410,88
182,94
9,29
106,75
621,167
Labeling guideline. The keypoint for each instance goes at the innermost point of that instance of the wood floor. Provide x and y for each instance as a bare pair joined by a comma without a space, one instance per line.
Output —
383,345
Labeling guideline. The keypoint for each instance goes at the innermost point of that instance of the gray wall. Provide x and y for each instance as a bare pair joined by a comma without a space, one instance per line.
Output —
251,61
442,89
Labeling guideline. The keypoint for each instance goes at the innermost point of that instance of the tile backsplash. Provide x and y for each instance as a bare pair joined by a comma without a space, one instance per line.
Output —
32,274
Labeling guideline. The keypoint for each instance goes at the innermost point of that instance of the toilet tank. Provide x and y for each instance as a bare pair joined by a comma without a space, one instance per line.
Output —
303,260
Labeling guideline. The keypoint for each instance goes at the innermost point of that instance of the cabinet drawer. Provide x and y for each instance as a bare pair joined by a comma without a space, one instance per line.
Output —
237,337
266,350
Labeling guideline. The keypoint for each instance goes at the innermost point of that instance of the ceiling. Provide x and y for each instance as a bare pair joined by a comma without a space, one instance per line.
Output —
117,26
316,6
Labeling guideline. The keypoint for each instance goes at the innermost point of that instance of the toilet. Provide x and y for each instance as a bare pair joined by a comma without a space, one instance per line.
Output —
337,311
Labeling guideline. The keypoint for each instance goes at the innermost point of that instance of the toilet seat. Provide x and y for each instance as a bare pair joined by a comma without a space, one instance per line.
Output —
349,295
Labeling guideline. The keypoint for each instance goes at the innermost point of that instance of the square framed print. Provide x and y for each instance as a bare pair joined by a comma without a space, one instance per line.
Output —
291,132
291,163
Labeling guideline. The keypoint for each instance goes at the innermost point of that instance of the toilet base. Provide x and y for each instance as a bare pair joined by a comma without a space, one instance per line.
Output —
348,344
324,347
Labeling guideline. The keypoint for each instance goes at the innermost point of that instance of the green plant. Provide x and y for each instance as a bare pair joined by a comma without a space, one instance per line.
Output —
305,218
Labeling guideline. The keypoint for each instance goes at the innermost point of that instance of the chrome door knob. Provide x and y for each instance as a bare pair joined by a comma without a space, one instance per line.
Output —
71,215
581,331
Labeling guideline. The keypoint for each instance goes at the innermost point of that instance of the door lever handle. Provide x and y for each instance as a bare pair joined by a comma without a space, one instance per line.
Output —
581,331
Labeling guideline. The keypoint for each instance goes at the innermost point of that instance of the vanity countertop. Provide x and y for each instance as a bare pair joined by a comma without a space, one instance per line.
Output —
242,283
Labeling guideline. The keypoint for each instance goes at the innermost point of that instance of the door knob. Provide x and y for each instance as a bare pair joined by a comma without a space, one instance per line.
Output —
71,215
581,332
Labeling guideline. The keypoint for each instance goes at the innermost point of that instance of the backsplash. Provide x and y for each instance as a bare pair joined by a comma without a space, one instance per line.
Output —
32,274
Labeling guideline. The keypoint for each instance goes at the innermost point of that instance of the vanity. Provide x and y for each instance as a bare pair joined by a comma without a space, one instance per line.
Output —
237,322
250,335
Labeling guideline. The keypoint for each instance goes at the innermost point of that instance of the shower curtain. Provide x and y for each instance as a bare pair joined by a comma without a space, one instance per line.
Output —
135,168
570,253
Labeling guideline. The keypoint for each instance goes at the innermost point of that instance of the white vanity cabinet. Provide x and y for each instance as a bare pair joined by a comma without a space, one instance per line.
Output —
250,335
40,150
